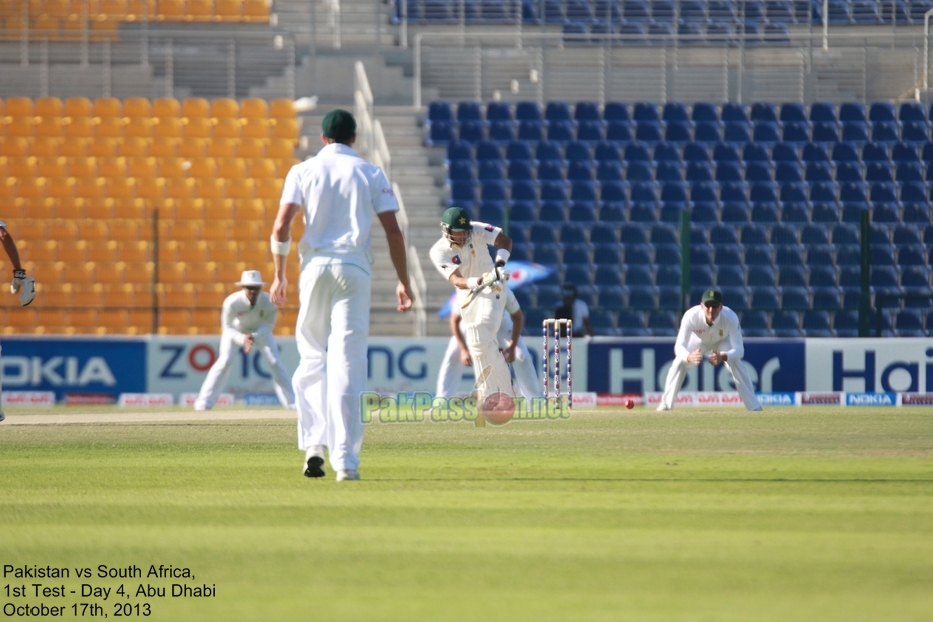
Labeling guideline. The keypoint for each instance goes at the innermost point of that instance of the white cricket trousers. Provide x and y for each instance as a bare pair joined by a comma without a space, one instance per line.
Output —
332,337
219,373
680,367
481,320
451,371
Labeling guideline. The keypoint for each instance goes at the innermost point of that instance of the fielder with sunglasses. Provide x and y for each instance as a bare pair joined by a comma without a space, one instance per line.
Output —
709,328
248,318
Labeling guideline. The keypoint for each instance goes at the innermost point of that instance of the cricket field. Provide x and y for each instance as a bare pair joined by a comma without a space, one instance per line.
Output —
792,514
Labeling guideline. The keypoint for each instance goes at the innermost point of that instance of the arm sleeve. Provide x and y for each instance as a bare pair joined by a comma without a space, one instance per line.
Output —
682,343
384,199
511,302
226,322
735,342
291,190
443,261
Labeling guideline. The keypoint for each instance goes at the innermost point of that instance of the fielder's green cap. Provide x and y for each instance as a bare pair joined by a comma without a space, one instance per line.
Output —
712,295
339,125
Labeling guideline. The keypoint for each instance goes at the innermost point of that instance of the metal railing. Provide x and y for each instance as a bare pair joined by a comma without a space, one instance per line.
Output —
373,146
534,66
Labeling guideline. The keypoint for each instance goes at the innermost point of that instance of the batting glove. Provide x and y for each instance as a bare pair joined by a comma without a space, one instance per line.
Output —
26,286
502,273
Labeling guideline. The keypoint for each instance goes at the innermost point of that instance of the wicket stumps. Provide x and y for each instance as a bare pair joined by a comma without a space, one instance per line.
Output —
545,332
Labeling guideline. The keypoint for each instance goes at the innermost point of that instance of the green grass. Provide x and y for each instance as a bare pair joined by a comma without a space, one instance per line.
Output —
795,514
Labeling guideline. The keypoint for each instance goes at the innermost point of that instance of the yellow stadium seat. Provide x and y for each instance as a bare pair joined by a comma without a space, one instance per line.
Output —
44,251
46,27
204,320
256,10
283,165
197,127
230,272
49,107
123,189
4,168
167,127
73,28
73,208
252,148
286,128
216,230
137,127
180,230
20,107
19,127
140,322
240,188
80,127
254,108
219,210
166,108
64,230
195,107
46,147
229,10
261,169
49,127
86,320
75,147
211,296
211,189
109,127
61,189
168,251
194,252
119,296
16,28
226,127
32,229
58,8
231,168
152,188
113,322
248,230
15,147
139,273
101,252
200,10
23,168
134,147
87,296
164,147
112,167
129,230
257,128
59,296
172,167
135,251
79,273
225,251
91,187
282,109
52,167
32,188
142,167
116,9
173,273
43,209
193,148
82,167
179,188
101,209
202,273
104,147
93,230
171,10
224,107
202,168
111,272
137,107
174,321
222,148
108,107
78,107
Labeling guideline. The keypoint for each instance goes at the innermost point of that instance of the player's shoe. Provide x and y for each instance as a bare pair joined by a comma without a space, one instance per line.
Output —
345,475
314,467
2,416
200,406
662,407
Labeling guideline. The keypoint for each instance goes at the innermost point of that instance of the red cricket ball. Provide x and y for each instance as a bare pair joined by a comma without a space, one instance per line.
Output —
629,404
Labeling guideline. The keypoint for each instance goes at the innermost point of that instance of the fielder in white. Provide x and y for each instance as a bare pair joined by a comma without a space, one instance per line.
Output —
340,196
248,318
709,327
462,257
511,344
24,285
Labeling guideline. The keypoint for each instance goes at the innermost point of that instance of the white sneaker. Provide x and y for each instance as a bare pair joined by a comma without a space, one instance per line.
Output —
201,407
662,407
345,475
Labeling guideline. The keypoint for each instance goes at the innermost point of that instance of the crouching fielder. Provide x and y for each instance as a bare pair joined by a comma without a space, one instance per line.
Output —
709,327
248,318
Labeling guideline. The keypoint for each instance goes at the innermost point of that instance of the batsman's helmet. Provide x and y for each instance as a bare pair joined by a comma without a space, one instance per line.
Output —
456,219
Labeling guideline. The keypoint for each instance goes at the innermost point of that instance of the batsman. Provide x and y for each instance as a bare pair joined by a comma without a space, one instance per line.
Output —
462,257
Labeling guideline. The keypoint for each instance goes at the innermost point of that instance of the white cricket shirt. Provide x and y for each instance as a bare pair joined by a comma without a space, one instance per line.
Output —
511,306
725,335
472,259
341,194
241,319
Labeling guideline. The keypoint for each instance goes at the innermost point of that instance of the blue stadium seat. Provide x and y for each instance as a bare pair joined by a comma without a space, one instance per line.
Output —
616,111
614,192
852,111
854,131
498,111
755,324
603,322
788,172
639,171
736,132
553,191
707,132
704,192
704,111
730,275
696,152
909,323
796,132
768,132
607,274
609,171
911,111
662,324
488,150
678,132
560,131
704,212
589,110
524,190
791,212
666,152
606,151
909,172
734,112
550,170
611,297
764,111
669,171
818,171
817,323
849,171
650,132
501,131
643,297
645,111
904,152
733,192
552,211
758,172
825,132
518,150
795,298
631,323
729,172
520,170
756,152
698,171
580,170
457,150
527,111
490,170
590,131
522,212
885,132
